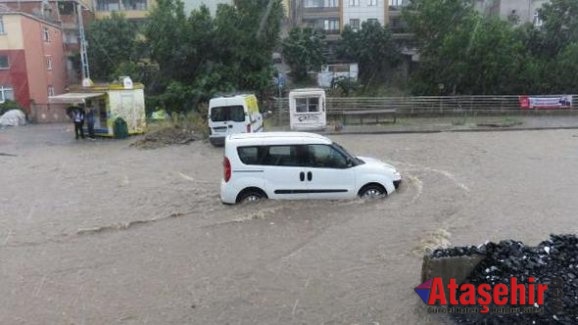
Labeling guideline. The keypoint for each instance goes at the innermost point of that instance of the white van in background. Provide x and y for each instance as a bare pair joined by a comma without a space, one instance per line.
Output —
298,165
231,115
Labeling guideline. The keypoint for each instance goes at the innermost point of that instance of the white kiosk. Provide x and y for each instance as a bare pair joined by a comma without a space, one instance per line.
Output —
307,109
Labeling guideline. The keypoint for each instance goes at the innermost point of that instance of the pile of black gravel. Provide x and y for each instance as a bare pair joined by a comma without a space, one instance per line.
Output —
553,262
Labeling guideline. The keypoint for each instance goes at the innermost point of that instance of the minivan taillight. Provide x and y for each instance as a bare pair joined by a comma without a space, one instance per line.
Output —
248,128
227,169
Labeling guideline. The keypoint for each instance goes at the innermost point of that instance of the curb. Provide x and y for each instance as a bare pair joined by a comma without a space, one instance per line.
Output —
452,130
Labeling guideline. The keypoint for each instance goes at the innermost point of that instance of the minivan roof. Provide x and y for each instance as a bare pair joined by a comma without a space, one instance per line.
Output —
232,95
278,138
300,90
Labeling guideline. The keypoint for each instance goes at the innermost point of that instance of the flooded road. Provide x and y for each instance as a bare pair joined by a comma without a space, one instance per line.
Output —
104,233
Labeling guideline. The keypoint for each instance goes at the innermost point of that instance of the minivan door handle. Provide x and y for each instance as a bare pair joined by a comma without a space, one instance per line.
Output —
309,176
302,176
230,126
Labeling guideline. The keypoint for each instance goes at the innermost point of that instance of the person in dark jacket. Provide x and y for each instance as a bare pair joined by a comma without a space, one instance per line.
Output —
90,122
78,118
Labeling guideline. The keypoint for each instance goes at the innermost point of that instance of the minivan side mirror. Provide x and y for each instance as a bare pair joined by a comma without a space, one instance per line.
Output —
349,162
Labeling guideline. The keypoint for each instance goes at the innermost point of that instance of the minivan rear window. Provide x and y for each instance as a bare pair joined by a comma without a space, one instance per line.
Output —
282,155
228,113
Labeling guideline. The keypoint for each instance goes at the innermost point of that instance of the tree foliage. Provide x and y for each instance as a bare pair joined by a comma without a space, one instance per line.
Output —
560,25
184,59
373,48
463,52
303,51
201,55
111,42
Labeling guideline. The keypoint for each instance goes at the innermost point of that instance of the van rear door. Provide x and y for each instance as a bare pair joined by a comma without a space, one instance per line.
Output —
228,120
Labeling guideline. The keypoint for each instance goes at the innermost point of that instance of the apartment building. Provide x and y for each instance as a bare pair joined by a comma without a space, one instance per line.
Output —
135,10
356,12
318,14
32,59
332,16
524,11
212,5
65,14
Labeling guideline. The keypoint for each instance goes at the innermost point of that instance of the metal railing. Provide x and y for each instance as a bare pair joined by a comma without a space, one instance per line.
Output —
425,106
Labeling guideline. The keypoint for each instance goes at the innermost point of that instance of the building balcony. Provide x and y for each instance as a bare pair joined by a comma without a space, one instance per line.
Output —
324,15
128,14
121,5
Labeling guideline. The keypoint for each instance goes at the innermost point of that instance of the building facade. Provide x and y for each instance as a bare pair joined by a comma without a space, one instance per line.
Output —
332,16
212,5
136,10
318,14
520,11
66,15
356,12
32,59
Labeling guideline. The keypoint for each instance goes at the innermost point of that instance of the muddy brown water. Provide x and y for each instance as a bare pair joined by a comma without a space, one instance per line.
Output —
104,233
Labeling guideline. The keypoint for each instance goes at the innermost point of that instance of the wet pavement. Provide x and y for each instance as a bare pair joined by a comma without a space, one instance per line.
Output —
104,233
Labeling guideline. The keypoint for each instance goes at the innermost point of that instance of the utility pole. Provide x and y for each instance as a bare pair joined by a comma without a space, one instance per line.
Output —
83,52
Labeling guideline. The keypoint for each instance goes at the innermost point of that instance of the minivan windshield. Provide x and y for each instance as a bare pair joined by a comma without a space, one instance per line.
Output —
356,161
228,113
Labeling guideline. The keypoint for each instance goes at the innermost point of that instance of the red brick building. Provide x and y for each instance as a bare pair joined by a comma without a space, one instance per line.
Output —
32,59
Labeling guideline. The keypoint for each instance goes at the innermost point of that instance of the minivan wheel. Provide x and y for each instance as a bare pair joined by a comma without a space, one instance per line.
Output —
250,196
372,191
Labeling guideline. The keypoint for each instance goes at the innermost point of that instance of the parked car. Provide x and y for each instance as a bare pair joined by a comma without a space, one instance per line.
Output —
298,165
231,115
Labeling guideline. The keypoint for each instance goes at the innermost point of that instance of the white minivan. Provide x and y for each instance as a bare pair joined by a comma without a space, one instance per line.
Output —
298,165
231,115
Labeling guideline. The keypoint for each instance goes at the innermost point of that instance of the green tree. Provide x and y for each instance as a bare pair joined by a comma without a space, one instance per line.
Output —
432,20
245,39
167,35
303,51
200,55
560,25
111,42
470,55
373,48
565,73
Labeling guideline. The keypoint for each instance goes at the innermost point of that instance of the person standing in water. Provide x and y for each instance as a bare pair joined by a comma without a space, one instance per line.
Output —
78,118
90,122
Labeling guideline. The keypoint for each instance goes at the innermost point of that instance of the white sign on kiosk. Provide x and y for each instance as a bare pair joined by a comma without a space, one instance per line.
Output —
307,109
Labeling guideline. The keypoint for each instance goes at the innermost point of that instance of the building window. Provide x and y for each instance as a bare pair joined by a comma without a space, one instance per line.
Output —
354,3
354,23
70,37
313,3
4,64
46,34
373,20
331,3
372,3
6,93
331,25
134,5
66,8
108,5
2,26
48,60
51,91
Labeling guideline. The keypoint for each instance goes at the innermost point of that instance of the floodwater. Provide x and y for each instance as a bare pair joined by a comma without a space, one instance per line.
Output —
104,233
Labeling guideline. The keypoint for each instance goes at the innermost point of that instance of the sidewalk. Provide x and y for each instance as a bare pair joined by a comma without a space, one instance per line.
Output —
454,124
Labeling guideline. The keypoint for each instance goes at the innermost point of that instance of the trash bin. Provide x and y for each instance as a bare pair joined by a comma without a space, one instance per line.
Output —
120,129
